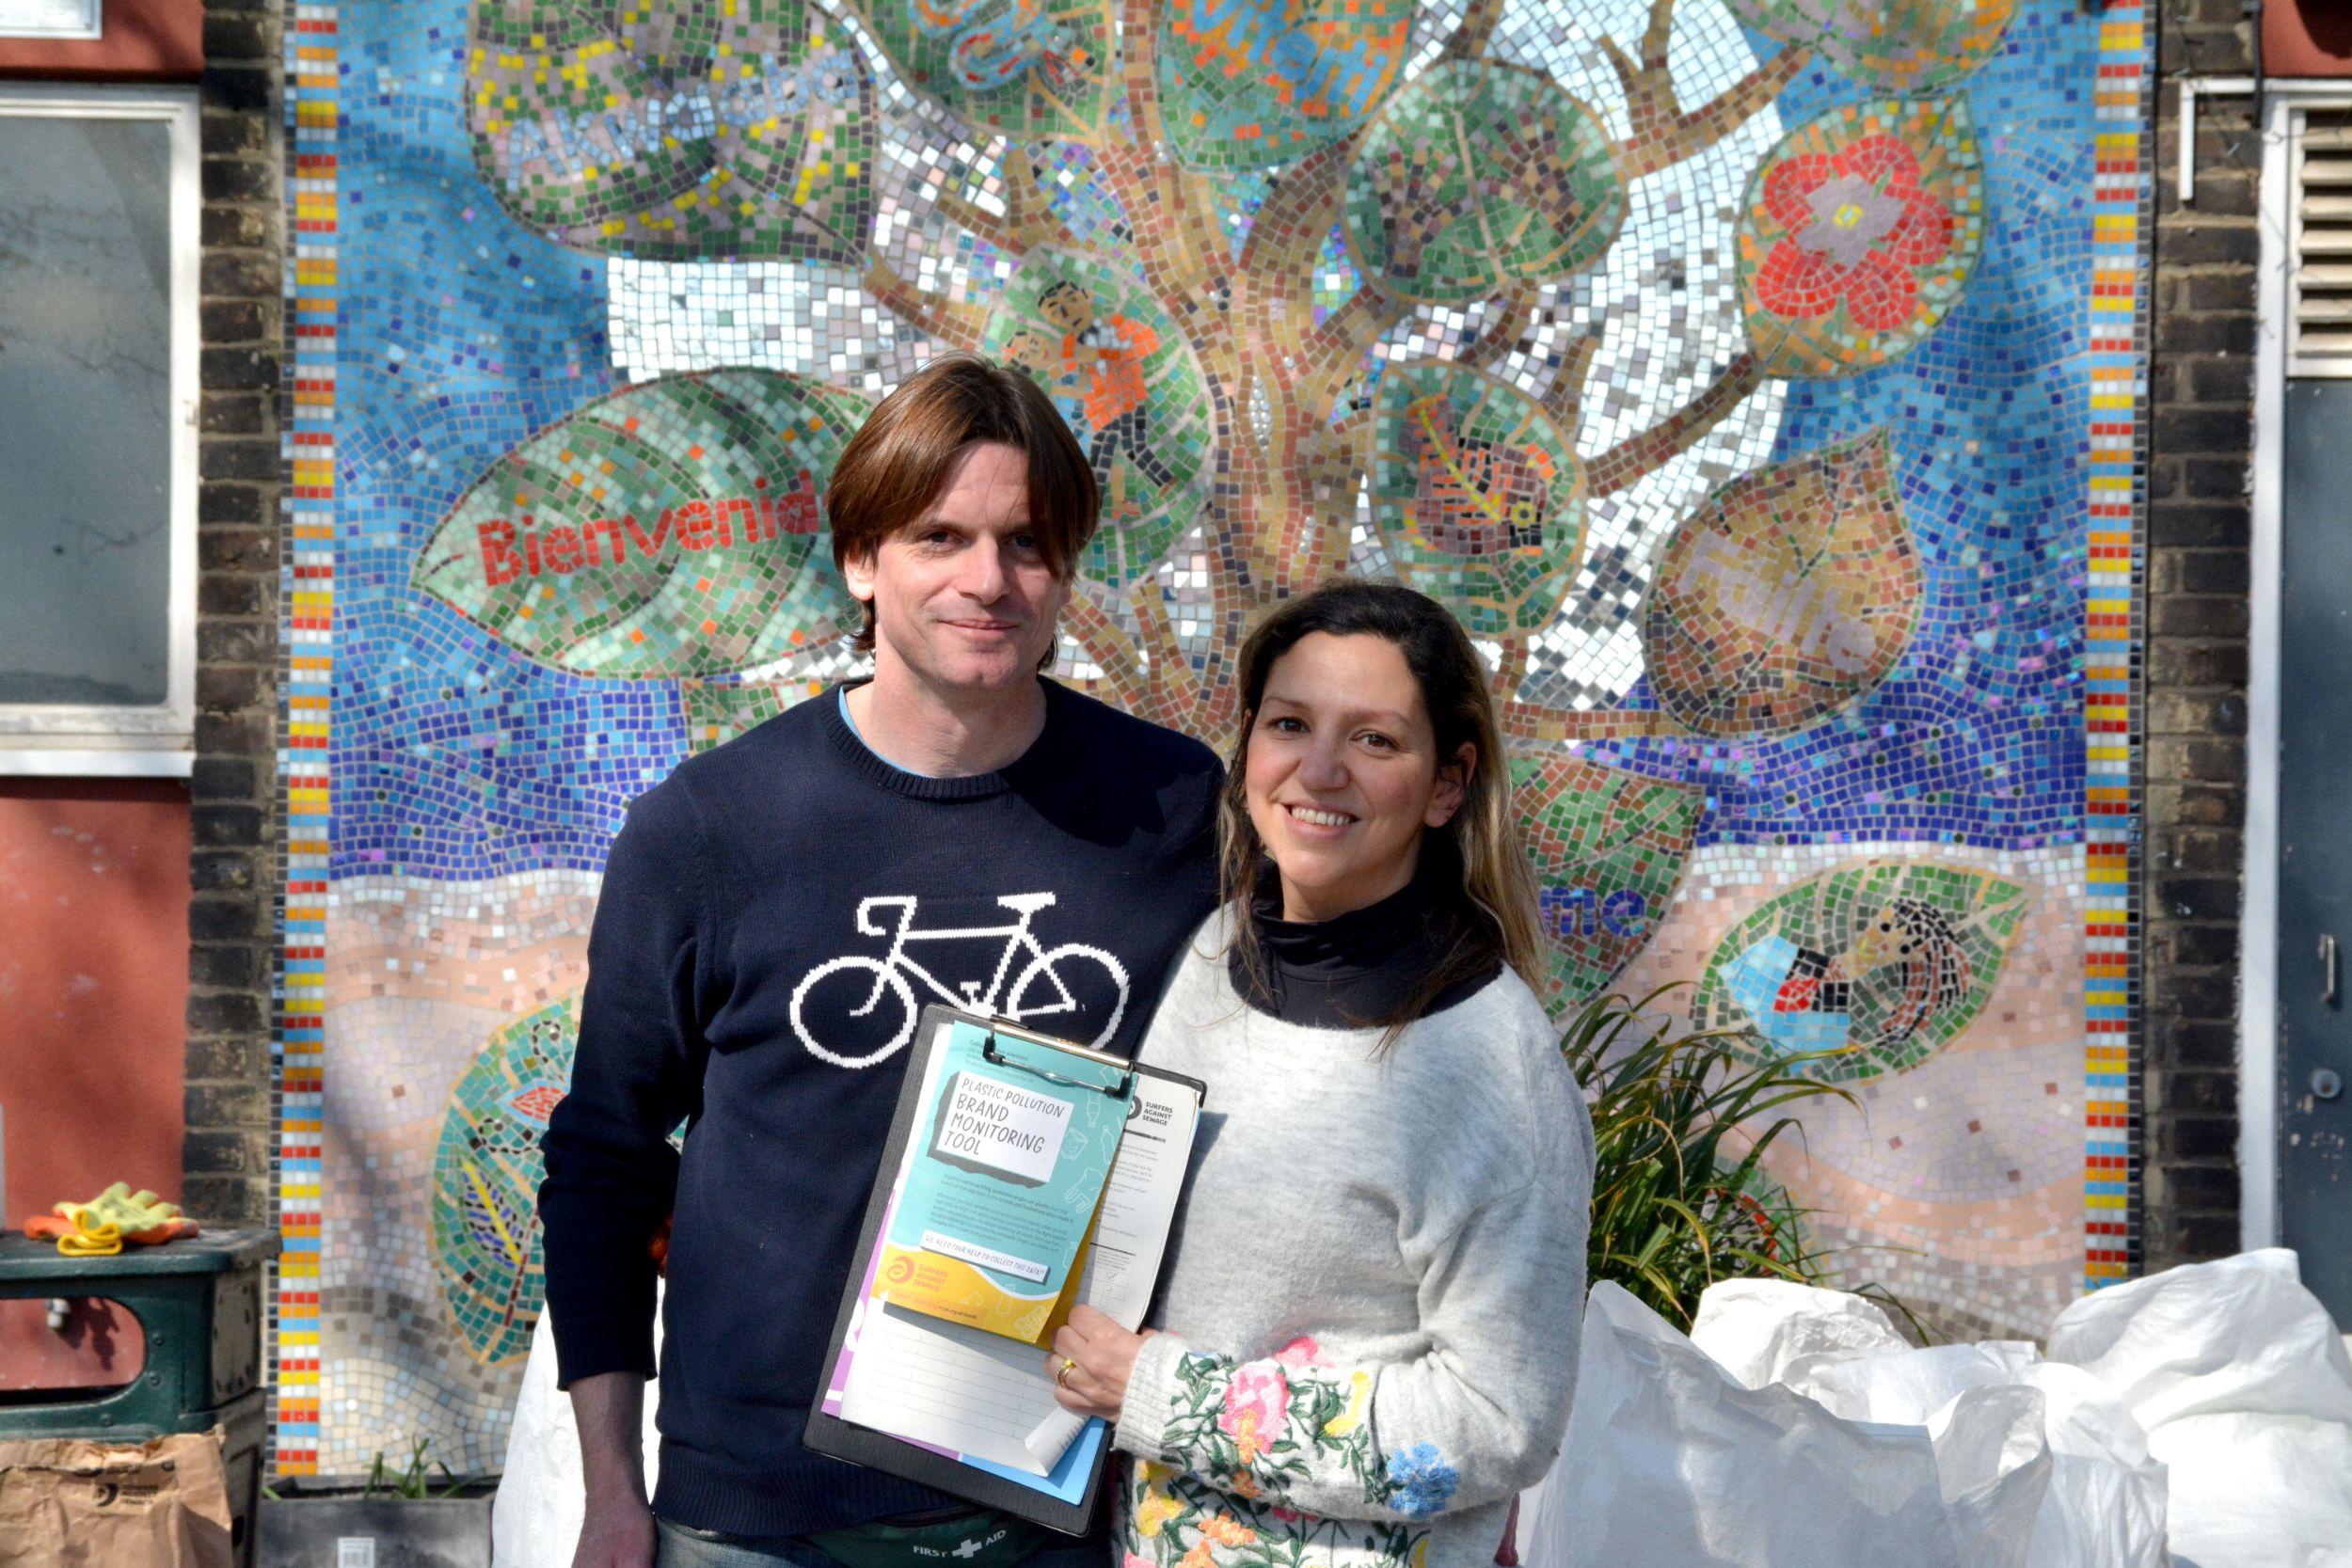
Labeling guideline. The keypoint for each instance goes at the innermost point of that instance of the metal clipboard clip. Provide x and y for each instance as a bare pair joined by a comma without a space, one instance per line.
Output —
991,1055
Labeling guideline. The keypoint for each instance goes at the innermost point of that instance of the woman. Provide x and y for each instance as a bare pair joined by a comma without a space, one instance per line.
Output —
1373,1292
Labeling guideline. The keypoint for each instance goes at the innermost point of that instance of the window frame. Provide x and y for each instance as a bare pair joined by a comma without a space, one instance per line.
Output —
92,24
153,740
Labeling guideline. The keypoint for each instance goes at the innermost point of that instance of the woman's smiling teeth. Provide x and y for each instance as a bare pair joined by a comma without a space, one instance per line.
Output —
1320,819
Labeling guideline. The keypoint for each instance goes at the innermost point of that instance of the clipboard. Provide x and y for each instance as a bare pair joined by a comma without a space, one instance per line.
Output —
1066,1500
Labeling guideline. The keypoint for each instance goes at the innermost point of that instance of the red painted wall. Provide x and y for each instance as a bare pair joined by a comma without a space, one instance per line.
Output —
93,910
93,997
2307,38
143,41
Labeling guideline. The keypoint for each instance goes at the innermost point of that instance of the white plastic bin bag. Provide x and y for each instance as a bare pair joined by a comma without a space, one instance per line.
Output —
2244,1390
536,1517
2105,1505
1672,1463
1765,1331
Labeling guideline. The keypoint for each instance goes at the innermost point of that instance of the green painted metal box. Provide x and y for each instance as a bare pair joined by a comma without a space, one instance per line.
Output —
199,1303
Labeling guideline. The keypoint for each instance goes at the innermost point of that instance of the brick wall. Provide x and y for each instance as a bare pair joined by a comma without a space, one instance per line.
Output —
232,950
2201,403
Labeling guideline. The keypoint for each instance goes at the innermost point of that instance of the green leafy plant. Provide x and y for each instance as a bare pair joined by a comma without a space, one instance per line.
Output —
1679,1201
412,1482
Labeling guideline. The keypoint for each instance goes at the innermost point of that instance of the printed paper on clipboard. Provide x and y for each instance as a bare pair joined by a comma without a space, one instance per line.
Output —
993,1206
985,1402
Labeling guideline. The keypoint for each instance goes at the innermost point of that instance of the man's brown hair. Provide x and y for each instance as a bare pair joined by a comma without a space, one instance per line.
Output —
896,465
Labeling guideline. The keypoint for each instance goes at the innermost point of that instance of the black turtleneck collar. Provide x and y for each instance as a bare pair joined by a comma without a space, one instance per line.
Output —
1357,970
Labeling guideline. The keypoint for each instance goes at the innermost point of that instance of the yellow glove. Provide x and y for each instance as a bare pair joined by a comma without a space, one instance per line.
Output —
90,1236
100,1227
129,1211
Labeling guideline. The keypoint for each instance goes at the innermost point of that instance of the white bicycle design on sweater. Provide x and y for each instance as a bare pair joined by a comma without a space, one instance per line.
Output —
1036,991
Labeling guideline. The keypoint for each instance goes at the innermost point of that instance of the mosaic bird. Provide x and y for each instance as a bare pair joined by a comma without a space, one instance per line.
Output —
1803,998
1798,997
1925,942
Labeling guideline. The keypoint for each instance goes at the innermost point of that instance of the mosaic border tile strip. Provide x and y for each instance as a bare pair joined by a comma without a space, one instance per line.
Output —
306,592
2112,651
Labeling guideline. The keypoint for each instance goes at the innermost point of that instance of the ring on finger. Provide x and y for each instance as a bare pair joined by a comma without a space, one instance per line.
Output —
1062,1373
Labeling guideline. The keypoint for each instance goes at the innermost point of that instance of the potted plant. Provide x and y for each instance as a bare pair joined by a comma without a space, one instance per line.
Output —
1681,1124
403,1518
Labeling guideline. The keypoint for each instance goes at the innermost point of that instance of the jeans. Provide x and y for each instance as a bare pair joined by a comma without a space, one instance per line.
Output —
675,1546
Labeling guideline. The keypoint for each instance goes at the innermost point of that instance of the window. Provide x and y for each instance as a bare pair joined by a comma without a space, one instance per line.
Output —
49,19
99,210
2319,277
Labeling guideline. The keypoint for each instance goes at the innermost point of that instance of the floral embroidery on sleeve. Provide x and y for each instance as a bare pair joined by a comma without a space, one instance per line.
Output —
1256,1409
1155,1507
1358,1400
1176,1520
1265,1427
1420,1482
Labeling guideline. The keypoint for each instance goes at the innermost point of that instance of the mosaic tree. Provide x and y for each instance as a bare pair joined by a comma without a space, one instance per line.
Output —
1313,281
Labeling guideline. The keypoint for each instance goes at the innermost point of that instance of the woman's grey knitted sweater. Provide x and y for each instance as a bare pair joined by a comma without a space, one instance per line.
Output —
1372,1304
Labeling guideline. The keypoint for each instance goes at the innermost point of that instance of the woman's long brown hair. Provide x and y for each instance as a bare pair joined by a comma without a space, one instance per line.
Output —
1497,920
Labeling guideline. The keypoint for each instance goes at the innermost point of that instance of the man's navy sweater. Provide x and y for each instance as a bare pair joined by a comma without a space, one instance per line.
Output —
752,905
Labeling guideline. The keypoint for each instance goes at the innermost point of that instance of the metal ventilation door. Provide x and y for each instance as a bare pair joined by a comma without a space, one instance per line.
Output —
2315,838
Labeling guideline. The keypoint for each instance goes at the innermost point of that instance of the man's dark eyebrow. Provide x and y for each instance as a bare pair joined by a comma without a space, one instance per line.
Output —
936,521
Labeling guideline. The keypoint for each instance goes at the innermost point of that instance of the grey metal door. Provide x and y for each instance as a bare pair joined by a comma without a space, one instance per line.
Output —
2316,839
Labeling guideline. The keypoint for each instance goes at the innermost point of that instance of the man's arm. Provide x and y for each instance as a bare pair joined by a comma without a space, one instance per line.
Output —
611,1172
616,1531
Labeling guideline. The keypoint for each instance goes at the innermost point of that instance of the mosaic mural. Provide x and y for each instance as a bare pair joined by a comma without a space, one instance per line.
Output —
1756,379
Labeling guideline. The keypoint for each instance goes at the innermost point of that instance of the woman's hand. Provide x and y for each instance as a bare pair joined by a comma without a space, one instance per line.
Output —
1090,1360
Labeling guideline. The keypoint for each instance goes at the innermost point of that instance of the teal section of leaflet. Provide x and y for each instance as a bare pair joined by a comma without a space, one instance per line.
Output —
1011,1161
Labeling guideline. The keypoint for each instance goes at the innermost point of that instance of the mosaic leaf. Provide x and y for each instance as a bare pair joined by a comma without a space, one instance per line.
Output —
1890,46
1479,175
1789,592
1609,848
718,711
675,132
486,1182
1251,84
1477,495
1123,375
1026,67
667,530
1861,230
1885,962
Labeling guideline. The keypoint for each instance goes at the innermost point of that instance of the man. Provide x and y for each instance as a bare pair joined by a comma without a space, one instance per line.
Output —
950,831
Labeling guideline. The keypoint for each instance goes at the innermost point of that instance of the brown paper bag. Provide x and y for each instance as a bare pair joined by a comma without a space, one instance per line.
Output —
69,1502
